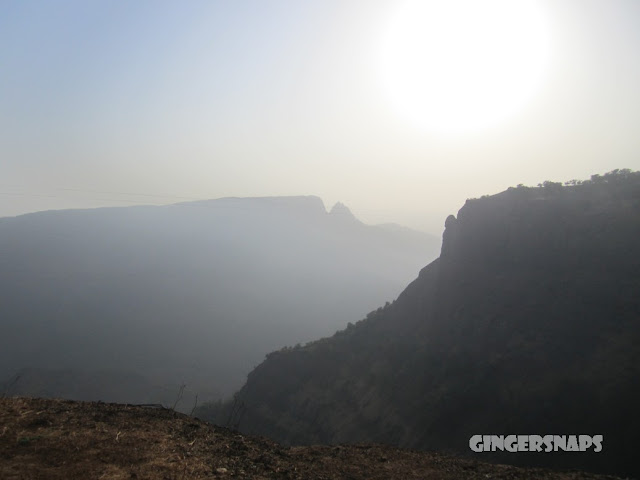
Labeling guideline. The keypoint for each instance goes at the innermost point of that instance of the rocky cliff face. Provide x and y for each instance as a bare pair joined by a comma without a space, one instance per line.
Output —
528,323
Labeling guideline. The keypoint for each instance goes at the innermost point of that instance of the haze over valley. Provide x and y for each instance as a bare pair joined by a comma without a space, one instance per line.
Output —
407,223
529,321
129,303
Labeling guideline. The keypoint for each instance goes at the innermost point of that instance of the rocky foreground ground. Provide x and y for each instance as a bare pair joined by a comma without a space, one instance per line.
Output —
58,439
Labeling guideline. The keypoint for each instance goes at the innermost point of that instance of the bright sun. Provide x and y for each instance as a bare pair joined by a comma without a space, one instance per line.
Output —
463,65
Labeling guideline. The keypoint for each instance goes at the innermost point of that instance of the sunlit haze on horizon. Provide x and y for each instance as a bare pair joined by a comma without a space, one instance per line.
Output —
152,102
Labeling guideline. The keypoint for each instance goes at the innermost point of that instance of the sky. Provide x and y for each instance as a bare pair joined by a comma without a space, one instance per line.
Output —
113,103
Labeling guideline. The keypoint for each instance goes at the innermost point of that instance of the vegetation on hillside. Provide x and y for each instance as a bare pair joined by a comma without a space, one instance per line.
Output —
528,323
63,440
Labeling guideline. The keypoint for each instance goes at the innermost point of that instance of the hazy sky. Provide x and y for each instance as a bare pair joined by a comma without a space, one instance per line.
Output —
120,102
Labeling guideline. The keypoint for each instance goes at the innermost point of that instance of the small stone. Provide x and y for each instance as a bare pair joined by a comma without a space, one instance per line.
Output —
221,470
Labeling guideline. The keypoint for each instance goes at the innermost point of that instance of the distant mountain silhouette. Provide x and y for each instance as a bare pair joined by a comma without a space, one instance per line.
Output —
195,292
341,210
528,323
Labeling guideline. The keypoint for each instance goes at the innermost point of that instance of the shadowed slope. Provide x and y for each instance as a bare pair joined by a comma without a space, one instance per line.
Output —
528,323
70,440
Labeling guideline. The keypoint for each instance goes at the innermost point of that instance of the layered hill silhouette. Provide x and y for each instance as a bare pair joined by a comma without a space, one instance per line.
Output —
527,323
128,304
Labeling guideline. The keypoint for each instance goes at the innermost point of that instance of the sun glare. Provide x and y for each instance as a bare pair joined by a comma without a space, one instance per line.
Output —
463,65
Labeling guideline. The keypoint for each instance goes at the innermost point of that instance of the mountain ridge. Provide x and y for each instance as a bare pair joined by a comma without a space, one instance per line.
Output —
193,293
527,323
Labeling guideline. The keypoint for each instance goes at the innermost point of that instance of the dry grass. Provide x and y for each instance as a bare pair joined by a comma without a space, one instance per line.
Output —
57,439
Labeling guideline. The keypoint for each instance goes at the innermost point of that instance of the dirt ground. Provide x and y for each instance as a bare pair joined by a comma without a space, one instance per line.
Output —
57,439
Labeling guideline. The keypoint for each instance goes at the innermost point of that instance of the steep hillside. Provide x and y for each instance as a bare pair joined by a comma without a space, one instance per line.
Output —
52,440
127,304
528,323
